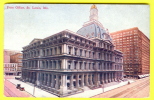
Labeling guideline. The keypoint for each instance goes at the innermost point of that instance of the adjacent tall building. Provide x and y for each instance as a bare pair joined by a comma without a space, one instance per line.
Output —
136,51
67,63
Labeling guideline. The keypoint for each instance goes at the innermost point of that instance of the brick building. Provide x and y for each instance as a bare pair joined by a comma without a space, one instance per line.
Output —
10,66
17,58
136,51
8,53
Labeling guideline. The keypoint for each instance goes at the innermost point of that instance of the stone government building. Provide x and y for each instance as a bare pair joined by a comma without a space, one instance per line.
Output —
67,63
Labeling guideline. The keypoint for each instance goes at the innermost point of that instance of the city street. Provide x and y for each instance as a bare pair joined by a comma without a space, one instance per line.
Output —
138,89
10,89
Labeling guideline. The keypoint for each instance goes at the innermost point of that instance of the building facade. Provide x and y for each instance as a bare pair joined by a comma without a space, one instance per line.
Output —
66,63
17,58
10,68
136,51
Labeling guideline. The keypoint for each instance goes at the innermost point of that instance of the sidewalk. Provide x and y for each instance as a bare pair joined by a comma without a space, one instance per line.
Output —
10,90
90,93
29,88
86,94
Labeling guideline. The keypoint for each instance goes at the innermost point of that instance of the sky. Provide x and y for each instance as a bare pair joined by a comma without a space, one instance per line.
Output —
22,25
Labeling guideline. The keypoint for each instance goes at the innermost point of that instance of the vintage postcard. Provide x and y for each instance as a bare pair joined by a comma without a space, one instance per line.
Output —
77,50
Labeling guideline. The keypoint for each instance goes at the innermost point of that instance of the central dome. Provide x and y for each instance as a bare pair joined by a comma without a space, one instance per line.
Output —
93,28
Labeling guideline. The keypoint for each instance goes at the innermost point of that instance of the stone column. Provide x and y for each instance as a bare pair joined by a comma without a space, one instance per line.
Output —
106,77
77,80
98,77
57,64
38,79
64,50
48,81
115,76
34,78
87,83
53,67
63,87
73,50
82,80
84,65
72,64
52,81
40,64
63,65
71,82
48,64
44,81
91,83
102,78
57,78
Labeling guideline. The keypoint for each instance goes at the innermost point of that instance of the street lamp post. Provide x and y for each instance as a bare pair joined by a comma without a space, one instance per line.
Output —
103,87
34,90
34,85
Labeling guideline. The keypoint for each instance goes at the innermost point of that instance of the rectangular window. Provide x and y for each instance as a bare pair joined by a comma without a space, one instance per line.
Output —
80,52
55,51
85,53
75,63
99,54
93,66
80,65
60,51
69,50
89,65
50,51
75,51
93,55
69,65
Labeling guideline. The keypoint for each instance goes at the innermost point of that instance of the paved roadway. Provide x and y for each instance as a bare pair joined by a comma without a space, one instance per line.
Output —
10,89
138,89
